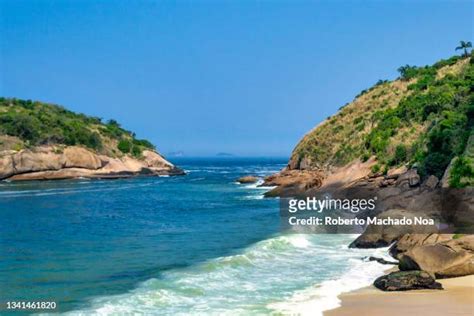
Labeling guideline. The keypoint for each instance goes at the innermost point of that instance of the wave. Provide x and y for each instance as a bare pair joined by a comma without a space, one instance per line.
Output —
316,299
289,274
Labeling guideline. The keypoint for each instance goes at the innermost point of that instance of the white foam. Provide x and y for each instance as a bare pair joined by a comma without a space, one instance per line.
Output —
318,298
256,280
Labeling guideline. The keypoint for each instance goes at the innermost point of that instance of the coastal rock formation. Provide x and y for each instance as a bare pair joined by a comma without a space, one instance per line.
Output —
292,182
247,179
378,145
44,141
53,162
451,258
406,281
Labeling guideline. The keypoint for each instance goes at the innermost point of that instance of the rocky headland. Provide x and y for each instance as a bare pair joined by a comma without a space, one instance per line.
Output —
41,141
411,144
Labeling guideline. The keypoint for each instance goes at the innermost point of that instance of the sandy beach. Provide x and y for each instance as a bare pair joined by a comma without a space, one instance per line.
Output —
457,298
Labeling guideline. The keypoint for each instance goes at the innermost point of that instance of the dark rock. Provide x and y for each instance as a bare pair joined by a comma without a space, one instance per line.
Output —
380,260
387,182
376,236
247,179
406,281
375,240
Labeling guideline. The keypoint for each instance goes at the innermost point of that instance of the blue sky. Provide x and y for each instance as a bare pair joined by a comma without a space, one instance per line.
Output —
245,77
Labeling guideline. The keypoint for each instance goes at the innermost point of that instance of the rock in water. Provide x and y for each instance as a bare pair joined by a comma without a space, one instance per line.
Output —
247,179
380,260
406,281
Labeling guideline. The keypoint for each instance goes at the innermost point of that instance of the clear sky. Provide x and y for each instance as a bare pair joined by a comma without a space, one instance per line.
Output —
245,77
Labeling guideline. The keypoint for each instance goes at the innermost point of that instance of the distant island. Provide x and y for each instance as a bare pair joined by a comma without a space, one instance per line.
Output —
224,154
43,141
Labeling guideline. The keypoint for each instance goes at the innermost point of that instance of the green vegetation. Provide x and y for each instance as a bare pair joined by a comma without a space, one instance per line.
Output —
423,119
445,106
36,123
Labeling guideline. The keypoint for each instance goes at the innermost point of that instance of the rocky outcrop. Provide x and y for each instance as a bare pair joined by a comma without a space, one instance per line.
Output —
293,182
247,179
48,162
451,258
406,281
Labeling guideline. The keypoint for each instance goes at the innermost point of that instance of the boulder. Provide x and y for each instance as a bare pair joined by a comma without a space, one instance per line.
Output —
78,157
451,258
39,160
408,241
408,179
6,166
396,172
406,281
247,179
431,182
374,240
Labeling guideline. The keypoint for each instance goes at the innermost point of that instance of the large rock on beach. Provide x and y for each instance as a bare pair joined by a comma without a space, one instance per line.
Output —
452,258
406,281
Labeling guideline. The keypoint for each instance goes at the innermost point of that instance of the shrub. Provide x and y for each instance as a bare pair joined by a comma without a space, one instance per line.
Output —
462,168
375,168
400,154
124,146
143,143
137,151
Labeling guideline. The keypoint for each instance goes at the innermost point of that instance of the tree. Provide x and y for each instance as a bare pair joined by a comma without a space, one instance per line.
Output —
464,45
407,72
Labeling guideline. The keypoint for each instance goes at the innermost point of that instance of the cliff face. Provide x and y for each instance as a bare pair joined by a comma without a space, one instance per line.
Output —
42,141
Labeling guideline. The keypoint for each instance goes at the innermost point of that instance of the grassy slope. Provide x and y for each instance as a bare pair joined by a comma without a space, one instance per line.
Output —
26,123
423,118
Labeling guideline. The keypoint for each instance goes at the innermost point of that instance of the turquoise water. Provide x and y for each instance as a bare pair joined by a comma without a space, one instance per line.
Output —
197,244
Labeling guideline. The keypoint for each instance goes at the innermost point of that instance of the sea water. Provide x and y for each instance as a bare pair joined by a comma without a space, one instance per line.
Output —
196,244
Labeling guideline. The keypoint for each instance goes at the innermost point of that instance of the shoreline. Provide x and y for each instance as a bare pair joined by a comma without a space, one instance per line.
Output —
457,298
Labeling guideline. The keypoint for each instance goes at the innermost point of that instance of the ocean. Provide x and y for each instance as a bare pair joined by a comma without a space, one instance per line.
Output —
197,244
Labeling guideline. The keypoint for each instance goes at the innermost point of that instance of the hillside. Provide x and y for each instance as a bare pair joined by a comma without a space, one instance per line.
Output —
423,120
45,141
35,123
